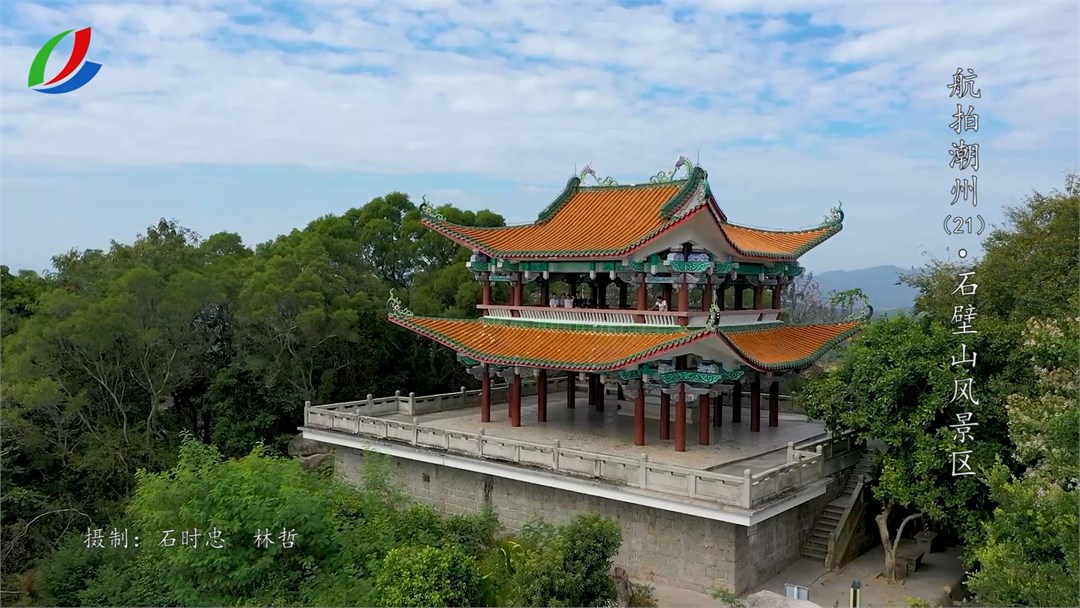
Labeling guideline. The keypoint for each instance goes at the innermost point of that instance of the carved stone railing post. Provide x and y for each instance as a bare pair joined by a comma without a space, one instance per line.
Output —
415,426
555,454
644,473
747,483
480,443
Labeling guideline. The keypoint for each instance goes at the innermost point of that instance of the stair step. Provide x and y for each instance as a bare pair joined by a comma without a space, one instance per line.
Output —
827,524
834,509
820,537
816,555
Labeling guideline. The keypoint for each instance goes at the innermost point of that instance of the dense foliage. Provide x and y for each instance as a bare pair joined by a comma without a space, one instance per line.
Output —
897,383
260,531
110,357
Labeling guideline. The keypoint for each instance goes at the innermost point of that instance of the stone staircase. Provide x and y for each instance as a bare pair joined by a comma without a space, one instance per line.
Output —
817,547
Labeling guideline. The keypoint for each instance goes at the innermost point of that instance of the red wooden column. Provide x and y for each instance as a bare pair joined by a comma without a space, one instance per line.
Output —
721,295
755,405
519,288
706,294
718,410
624,296
639,415
642,298
739,288
668,289
515,400
541,396
736,402
599,394
485,396
684,301
774,403
680,420
545,292
571,389
703,419
776,291
591,388
485,285
759,289
665,416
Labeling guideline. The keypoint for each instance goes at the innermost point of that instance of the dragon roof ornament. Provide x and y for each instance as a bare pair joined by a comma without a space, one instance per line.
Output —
396,308
669,176
588,170
428,210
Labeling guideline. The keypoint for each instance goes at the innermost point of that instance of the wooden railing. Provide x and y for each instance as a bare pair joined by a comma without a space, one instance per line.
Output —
746,491
624,316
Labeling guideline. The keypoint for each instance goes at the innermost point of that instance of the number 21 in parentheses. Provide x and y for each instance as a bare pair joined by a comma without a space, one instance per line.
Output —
962,225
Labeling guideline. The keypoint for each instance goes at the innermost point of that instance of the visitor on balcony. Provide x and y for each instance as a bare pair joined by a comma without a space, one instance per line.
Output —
661,304
567,301
555,301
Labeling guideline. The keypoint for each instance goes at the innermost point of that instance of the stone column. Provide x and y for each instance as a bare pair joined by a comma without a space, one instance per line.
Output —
774,403
736,402
541,396
684,301
680,420
571,389
703,419
642,298
485,396
515,400
639,416
599,394
755,404
665,416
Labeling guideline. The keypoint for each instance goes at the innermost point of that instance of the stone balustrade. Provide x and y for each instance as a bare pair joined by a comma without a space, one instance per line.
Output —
614,316
746,491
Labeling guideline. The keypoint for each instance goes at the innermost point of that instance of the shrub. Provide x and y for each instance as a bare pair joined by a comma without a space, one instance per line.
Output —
427,576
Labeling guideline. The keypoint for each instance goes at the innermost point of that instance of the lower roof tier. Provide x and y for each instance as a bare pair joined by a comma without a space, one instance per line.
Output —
774,347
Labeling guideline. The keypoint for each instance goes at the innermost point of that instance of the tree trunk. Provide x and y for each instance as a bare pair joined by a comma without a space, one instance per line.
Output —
889,544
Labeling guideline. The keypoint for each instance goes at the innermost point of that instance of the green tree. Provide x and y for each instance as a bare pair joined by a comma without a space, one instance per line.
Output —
568,565
1029,555
895,384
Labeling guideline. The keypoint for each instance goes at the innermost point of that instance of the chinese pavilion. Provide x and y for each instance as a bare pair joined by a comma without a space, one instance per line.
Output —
668,236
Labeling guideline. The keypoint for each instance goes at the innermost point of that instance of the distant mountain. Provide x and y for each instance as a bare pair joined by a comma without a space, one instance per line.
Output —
879,283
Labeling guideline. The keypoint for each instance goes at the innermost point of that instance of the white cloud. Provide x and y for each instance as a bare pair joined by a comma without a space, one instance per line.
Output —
170,93
529,89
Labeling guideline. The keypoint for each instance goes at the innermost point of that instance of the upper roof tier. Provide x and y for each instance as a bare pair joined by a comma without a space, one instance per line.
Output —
617,222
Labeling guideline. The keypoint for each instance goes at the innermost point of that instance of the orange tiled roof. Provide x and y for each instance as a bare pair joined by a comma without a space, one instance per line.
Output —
788,345
591,348
586,222
775,243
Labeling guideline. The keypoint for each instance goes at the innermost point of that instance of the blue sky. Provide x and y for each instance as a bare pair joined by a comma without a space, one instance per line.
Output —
258,117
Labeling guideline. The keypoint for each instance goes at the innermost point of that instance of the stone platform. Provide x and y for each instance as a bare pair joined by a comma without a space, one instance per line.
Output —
733,447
